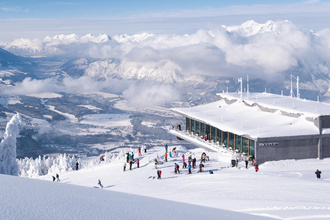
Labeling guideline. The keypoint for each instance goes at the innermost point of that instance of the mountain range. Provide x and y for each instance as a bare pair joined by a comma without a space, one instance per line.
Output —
57,82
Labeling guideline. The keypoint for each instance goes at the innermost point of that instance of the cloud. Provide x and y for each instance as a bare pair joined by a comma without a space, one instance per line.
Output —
31,86
150,94
262,50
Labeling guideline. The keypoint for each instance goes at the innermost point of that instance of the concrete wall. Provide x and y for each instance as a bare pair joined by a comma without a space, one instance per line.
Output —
325,146
282,148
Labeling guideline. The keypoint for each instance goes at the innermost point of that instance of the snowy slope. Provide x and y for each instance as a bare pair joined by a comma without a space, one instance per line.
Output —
282,190
23,198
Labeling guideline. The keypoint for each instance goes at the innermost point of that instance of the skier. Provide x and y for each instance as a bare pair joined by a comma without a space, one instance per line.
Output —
139,149
166,148
175,171
132,155
124,167
257,168
58,177
138,163
159,173
173,150
183,160
130,164
177,168
318,174
145,148
194,162
54,178
184,165
100,184
165,157
189,168
246,163
127,157
170,154
201,165
156,162
77,165
102,158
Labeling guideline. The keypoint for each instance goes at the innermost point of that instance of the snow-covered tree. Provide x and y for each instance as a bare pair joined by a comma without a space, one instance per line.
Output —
8,164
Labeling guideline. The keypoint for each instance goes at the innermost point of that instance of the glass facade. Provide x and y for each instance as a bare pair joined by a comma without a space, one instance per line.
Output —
219,136
193,130
197,128
213,136
238,146
231,140
252,148
207,132
223,138
202,130
245,145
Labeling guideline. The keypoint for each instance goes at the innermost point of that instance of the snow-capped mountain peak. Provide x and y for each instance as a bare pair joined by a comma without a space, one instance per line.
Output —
251,27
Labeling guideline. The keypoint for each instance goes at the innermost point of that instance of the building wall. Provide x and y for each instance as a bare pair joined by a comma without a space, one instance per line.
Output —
299,147
325,146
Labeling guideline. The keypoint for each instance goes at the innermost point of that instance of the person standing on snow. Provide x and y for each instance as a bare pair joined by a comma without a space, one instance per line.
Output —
166,147
100,184
246,162
165,157
77,165
257,168
138,163
130,164
58,177
159,173
139,150
124,169
54,178
156,162
194,162
178,168
189,168
201,165
318,174
183,160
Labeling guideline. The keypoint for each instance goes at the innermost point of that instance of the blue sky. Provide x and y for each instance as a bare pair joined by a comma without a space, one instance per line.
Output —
41,18
106,9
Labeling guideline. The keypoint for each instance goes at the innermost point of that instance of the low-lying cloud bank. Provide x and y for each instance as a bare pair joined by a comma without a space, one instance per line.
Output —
138,94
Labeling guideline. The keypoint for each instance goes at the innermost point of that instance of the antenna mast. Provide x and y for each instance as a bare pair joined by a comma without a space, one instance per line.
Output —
240,80
298,94
291,91
247,86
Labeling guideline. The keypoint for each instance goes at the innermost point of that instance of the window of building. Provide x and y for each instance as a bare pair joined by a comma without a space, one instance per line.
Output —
225,139
219,136
231,140
238,146
202,130
252,148
213,136
192,126
245,145
207,131
197,128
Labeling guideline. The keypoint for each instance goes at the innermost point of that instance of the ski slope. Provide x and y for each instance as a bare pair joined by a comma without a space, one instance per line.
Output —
281,190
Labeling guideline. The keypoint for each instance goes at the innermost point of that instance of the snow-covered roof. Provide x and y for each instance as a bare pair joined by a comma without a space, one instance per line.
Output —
260,115
287,104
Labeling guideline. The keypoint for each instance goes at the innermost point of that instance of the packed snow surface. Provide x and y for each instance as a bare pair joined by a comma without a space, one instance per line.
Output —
282,190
